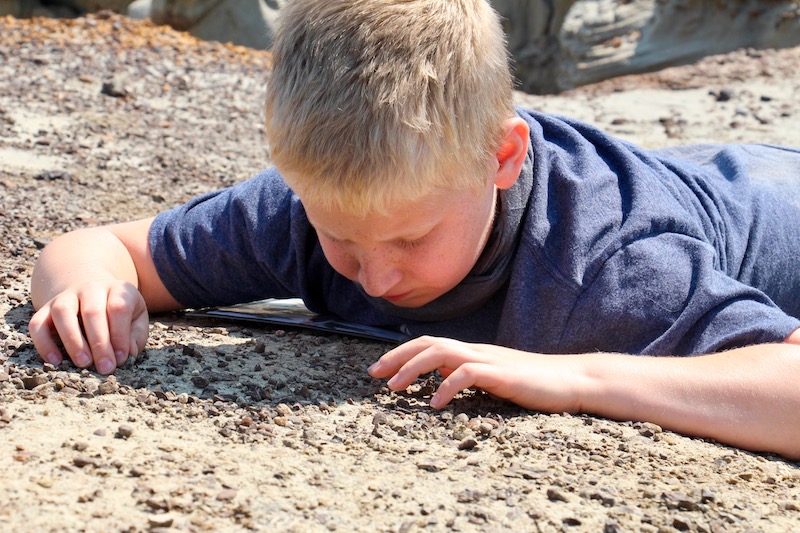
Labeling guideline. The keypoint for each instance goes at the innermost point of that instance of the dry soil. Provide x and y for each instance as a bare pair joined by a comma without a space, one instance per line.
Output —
226,427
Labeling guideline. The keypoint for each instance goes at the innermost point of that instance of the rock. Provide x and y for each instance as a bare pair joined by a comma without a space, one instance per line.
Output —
226,495
81,461
124,431
555,495
431,465
31,382
52,175
467,443
246,22
110,386
89,6
116,87
682,523
561,44
678,500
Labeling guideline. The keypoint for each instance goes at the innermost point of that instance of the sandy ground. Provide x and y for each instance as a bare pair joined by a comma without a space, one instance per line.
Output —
223,427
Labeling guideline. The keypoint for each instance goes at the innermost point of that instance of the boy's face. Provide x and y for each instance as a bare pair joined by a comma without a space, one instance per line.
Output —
414,254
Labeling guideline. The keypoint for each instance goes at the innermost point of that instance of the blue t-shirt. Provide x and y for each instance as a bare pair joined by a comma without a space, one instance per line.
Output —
614,248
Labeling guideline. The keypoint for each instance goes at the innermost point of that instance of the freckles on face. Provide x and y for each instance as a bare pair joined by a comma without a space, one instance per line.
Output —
412,255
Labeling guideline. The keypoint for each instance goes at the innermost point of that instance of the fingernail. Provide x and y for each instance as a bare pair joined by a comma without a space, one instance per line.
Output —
52,358
373,366
104,366
435,400
82,359
120,355
392,382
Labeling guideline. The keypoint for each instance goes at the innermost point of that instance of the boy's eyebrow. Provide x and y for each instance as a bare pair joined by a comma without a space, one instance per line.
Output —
414,234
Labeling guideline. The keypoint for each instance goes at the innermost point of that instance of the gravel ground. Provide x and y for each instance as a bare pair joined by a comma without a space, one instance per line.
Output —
223,427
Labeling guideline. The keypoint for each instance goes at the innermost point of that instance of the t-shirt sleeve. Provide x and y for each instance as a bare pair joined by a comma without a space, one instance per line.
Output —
662,295
235,245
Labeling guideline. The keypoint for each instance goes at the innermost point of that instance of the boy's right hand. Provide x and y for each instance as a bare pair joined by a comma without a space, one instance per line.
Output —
98,322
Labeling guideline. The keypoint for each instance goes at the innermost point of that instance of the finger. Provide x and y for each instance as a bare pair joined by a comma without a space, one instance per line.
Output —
93,313
466,376
445,355
140,329
392,360
119,311
40,329
64,314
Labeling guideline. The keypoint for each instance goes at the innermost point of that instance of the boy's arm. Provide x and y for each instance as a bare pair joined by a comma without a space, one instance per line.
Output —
92,288
747,397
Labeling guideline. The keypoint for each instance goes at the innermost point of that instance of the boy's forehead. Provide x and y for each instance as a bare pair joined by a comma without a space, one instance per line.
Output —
400,218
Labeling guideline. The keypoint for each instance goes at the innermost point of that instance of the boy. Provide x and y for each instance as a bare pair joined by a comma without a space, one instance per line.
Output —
412,192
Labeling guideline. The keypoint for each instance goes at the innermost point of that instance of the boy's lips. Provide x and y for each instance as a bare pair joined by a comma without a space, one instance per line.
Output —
397,297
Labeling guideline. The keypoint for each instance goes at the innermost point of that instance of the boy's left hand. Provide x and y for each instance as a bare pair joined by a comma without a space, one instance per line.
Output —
534,381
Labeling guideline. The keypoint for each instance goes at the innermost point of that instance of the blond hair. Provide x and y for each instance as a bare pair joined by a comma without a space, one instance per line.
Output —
374,101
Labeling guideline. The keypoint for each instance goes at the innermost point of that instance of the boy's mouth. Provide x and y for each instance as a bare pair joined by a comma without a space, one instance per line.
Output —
394,298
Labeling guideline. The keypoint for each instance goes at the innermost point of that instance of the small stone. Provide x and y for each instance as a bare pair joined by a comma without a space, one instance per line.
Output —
724,95
379,418
226,495
53,175
555,495
81,462
157,505
110,386
467,443
124,431
431,466
31,382
200,382
791,506
160,521
678,500
99,432
707,496
682,523
115,87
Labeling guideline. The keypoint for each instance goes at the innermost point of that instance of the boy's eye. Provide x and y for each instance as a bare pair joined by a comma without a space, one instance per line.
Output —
411,244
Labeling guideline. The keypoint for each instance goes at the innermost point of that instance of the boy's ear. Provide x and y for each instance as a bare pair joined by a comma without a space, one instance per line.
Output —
512,152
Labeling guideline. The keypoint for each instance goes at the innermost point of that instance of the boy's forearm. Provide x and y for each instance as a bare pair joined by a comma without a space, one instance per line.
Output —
746,397
91,254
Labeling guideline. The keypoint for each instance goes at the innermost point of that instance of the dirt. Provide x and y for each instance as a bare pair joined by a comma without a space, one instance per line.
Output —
225,427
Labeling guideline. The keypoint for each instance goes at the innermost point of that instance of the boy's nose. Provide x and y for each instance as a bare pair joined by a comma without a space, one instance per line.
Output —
377,278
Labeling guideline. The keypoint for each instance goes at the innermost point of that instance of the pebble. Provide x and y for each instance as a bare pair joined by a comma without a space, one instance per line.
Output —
108,387
467,443
124,431
115,87
679,500
682,523
31,382
431,465
160,521
555,495
226,495
83,461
